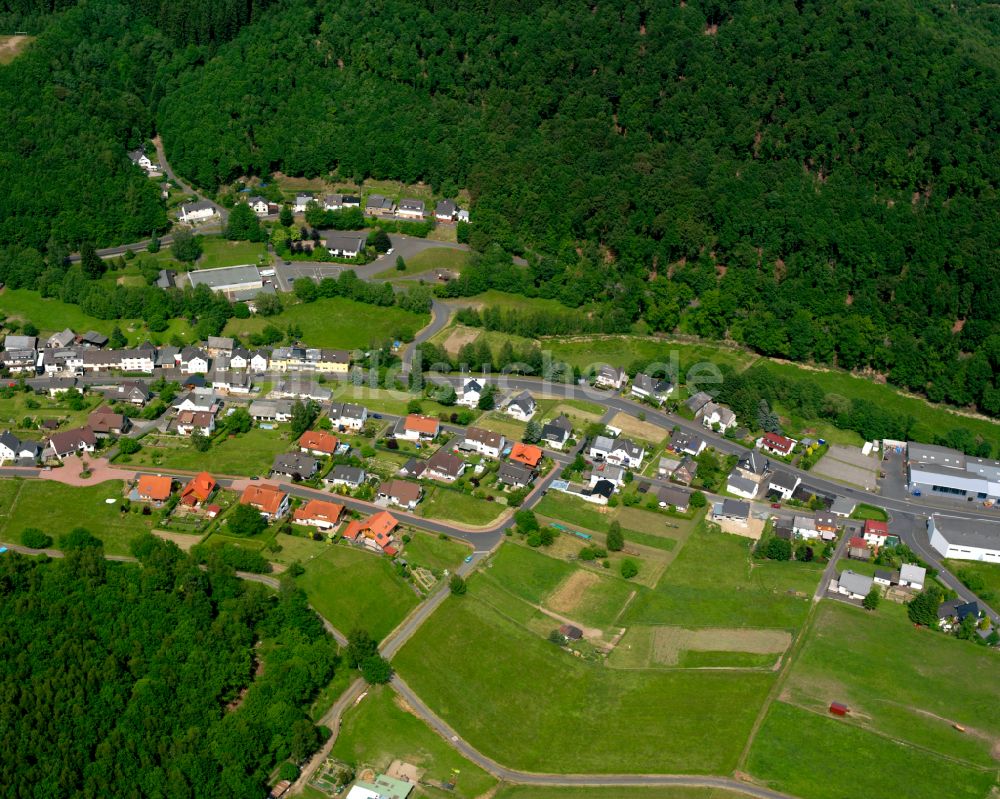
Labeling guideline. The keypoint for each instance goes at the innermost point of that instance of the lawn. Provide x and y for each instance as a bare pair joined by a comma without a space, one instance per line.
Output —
641,526
901,681
337,322
519,690
559,792
714,582
584,595
932,420
500,422
56,509
435,553
14,409
354,588
865,511
983,578
248,454
453,505
378,731
432,258
815,756
220,252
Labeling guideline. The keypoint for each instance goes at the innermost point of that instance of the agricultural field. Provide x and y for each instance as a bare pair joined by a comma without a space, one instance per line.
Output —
431,258
218,252
351,587
56,509
380,730
867,661
714,582
248,454
502,700
336,322
705,647
792,753
455,506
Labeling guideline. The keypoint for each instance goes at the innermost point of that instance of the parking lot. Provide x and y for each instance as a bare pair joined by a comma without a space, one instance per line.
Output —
848,465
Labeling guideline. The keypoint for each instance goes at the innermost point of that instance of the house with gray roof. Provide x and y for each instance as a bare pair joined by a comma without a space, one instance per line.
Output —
854,585
741,486
294,465
965,538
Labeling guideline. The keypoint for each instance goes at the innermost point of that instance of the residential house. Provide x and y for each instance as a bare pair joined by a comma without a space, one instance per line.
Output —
377,205
105,422
854,585
341,475
193,361
198,490
697,401
411,208
343,244
527,454
350,201
954,611
557,432
619,451
333,202
876,533
522,407
19,361
686,443
260,360
153,488
233,381
514,475
651,388
70,442
607,471
783,484
666,466
485,442
776,444
671,496
884,577
472,390
271,410
414,467
318,513
318,442
415,427
348,416
197,399
197,212
302,389
375,532
16,342
143,161
732,510
269,500
53,386
191,422
805,527
612,377
444,466
842,507
446,211
294,466
912,576
302,201
717,417
686,471
239,358
220,345
401,493
167,357
857,548
61,340
261,207
826,525
18,450
741,486
599,493
134,392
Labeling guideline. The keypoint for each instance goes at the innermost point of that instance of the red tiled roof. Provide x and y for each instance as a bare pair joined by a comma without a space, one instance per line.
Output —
318,510
878,528
154,487
527,454
318,440
778,442
421,424
264,497
198,489
857,542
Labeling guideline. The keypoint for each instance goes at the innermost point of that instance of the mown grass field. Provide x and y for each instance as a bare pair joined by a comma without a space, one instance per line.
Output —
247,454
218,252
793,753
903,682
378,731
355,589
56,509
503,700
13,411
432,258
562,792
713,581
453,505
337,322
435,553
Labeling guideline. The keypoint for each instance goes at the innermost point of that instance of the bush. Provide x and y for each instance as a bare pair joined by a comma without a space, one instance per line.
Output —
629,568
79,538
245,520
872,599
697,500
778,549
457,585
128,446
234,557
35,539
615,538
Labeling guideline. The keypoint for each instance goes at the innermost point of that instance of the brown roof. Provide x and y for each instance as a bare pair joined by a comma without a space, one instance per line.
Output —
196,418
445,463
104,420
264,497
155,487
486,437
70,439
401,490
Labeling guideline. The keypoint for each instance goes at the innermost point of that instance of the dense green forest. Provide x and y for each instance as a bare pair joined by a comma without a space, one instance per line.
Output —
154,680
816,180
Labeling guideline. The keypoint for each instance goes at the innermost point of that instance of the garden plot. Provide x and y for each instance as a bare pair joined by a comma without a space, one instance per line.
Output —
848,465
707,647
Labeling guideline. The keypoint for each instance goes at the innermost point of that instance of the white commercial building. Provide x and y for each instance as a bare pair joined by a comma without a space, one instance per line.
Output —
965,539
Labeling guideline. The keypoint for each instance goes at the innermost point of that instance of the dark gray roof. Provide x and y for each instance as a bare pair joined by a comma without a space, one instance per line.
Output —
981,533
514,474
559,429
784,480
349,474
604,488
295,463
735,507
738,481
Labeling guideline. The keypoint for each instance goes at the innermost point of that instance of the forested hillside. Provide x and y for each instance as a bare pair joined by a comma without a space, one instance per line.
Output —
122,680
816,180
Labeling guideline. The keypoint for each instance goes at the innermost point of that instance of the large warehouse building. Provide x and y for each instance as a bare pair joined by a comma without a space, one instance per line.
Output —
965,539
228,279
947,472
